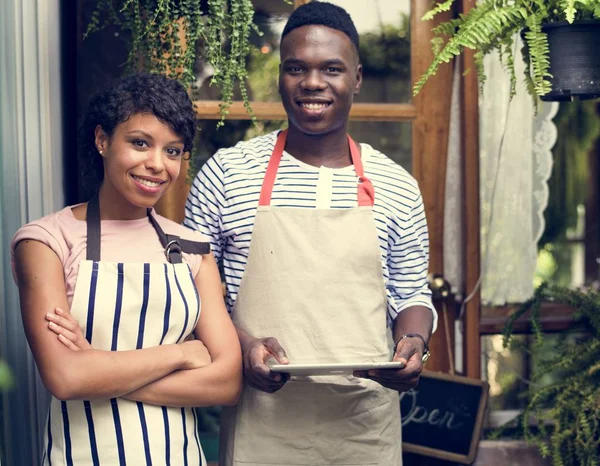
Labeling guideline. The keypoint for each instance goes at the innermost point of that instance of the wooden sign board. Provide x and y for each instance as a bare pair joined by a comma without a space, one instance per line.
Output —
443,416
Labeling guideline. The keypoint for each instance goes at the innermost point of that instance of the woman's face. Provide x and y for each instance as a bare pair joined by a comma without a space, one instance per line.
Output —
141,159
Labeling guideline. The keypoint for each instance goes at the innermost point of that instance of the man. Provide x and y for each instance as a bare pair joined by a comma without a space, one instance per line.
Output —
325,250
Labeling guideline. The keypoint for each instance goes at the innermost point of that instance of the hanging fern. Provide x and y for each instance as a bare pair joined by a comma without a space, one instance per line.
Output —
165,34
567,411
492,24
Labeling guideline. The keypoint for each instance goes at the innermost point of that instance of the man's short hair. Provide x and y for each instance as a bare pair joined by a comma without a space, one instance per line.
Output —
322,14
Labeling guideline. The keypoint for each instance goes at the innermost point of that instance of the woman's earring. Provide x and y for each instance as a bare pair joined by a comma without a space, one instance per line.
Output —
100,152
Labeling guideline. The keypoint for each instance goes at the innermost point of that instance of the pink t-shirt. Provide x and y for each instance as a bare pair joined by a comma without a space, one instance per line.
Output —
121,241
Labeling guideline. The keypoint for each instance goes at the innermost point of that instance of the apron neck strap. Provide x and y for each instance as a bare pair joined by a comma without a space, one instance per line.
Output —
366,192
174,245
92,220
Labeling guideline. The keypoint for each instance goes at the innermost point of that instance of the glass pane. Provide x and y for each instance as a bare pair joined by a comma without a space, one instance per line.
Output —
209,139
562,264
383,26
505,371
568,251
394,139
510,372
391,138
263,61
568,248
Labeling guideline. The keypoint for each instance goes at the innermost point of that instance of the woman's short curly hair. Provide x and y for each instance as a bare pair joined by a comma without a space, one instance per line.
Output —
154,94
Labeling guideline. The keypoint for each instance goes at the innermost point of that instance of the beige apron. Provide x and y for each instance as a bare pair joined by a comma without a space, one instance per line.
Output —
314,281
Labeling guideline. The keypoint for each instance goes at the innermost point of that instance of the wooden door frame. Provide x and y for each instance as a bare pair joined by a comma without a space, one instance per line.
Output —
471,209
431,132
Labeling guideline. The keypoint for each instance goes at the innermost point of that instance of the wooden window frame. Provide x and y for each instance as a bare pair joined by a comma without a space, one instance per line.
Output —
210,110
429,114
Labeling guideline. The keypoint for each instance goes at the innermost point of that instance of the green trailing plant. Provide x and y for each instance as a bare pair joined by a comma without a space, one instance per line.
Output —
169,36
491,25
564,396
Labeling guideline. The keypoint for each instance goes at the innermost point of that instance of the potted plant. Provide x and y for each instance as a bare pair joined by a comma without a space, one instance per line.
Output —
560,43
564,396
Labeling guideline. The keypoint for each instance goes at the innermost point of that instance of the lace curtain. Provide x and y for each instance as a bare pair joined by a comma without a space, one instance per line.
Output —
515,164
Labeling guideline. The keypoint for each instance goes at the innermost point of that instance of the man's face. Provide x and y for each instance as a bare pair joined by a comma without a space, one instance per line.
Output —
319,76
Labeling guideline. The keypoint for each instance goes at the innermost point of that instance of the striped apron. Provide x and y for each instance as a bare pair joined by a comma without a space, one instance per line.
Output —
314,281
127,306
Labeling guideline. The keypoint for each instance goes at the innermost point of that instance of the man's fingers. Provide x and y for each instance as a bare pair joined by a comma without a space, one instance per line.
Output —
259,368
267,388
258,373
399,385
408,373
276,350
405,351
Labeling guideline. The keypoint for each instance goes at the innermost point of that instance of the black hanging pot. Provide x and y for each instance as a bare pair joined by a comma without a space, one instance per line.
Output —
574,60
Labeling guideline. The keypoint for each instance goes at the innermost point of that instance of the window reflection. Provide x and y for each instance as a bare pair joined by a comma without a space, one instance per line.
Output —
263,60
568,253
383,26
384,31
209,139
391,138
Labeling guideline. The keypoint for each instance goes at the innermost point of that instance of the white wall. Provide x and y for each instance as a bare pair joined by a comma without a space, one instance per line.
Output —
31,186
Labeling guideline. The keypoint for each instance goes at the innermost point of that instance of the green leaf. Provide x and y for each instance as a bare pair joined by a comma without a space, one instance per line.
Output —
569,7
441,7
6,378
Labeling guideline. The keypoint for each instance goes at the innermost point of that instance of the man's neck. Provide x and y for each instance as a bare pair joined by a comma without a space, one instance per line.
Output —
329,150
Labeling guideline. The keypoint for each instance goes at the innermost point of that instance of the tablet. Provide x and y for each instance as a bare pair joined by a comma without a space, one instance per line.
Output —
333,368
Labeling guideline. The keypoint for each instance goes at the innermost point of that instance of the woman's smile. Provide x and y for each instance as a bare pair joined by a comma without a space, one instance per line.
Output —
148,184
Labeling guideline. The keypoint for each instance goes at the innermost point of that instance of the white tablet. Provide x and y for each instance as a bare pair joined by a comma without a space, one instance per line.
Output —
333,369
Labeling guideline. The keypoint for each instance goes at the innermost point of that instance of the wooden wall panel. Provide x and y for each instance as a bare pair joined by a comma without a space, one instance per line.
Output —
430,149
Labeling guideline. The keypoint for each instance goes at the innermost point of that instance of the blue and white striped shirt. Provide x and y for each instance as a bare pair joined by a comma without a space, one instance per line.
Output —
224,197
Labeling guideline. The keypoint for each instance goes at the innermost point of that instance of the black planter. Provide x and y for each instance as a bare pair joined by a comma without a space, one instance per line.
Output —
574,60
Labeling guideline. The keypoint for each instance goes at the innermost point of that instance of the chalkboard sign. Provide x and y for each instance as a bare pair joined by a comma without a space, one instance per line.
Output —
443,416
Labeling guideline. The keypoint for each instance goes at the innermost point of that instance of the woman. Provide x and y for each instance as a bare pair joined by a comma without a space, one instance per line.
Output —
110,302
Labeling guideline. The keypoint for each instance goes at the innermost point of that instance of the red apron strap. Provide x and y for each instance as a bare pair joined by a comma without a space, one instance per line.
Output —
366,192
271,174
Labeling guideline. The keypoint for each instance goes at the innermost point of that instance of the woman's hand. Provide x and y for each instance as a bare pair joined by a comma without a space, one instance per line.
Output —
62,323
67,329
195,354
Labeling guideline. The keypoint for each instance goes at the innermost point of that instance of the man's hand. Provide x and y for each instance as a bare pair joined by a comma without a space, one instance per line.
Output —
256,353
410,352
